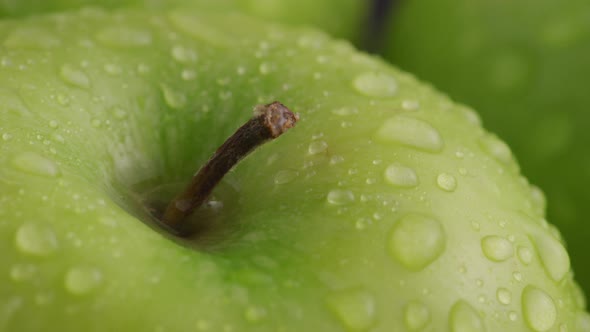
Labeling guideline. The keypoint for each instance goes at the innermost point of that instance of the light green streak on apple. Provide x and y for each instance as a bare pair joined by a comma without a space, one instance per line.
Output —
340,18
525,66
306,237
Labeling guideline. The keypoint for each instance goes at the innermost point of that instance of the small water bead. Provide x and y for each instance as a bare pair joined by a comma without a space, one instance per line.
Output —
124,37
553,255
411,105
317,147
401,176
525,255
340,197
416,316
173,98
513,316
376,85
464,318
411,132
517,276
31,38
82,280
538,309
112,69
416,241
503,295
36,239
32,163
23,272
446,182
345,111
183,54
264,68
188,74
355,308
6,136
255,314
74,76
284,176
497,148
497,248
53,124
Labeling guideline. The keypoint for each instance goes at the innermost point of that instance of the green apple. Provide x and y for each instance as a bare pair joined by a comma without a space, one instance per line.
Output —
387,208
341,18
525,66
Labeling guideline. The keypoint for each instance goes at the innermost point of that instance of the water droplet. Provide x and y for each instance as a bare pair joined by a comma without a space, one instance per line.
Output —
183,54
503,295
264,68
538,309
446,182
345,111
33,163
6,136
285,176
513,316
416,316
496,248
496,148
416,241
82,280
31,38
124,37
354,308
255,314
401,176
112,69
375,85
340,197
23,272
517,276
553,255
411,132
188,74
411,105
464,318
173,98
53,124
36,239
74,76
317,147
525,255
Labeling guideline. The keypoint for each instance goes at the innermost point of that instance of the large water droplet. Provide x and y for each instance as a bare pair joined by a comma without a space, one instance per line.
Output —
553,255
416,316
375,85
525,255
411,132
497,148
317,147
33,163
183,54
173,98
416,241
463,318
354,308
124,37
82,280
538,309
285,176
446,182
36,239
503,295
33,38
23,272
255,314
401,176
74,76
497,248
340,197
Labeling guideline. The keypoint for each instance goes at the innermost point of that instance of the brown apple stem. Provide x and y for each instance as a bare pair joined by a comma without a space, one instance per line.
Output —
269,122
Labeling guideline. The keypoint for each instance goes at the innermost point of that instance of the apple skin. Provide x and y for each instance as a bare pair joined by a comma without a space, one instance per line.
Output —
340,18
525,67
386,208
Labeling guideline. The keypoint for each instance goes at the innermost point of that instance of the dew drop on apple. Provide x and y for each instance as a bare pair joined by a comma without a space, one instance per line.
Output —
6,137
496,148
375,84
317,147
82,280
525,255
36,239
553,255
124,37
74,76
416,241
340,197
411,132
416,315
446,182
173,98
538,309
497,248
183,54
410,105
464,317
503,295
188,74
284,176
23,272
401,176
354,308
255,314
53,124
345,111
112,69
33,163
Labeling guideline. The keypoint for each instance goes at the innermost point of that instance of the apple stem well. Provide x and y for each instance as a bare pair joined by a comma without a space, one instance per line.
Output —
269,122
